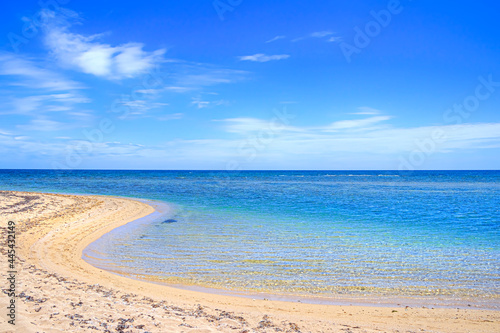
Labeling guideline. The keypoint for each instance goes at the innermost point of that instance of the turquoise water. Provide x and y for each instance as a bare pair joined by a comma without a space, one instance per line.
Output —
317,233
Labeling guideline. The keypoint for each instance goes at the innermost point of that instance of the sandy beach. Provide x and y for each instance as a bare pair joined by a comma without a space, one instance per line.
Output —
57,291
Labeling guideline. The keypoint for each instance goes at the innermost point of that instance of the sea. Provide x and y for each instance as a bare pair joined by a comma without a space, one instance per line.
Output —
314,234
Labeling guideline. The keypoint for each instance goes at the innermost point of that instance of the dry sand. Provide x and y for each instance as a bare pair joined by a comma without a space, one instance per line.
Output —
57,291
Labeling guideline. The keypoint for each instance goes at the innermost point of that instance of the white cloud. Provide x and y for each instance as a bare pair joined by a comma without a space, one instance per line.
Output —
364,110
39,104
359,123
260,57
40,94
246,126
297,145
25,105
186,77
57,108
194,77
44,125
173,116
88,55
159,91
200,104
334,39
243,125
147,91
2,132
283,146
361,136
275,39
319,34
178,89
140,108
30,75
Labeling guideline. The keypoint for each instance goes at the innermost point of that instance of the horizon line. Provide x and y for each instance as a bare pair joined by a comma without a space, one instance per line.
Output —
249,170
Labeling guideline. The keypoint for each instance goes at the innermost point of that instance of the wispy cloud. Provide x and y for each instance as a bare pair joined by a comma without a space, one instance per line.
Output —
178,89
185,78
28,74
357,123
288,145
201,104
39,104
361,136
172,116
140,107
158,91
334,39
326,35
2,132
260,57
194,77
321,34
88,55
364,110
275,39
44,125
317,34
245,126
43,95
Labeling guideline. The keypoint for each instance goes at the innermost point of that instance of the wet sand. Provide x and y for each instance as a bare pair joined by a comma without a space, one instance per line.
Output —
57,291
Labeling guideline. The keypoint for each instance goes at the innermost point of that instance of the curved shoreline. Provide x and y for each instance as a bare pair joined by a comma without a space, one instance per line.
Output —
335,299
55,246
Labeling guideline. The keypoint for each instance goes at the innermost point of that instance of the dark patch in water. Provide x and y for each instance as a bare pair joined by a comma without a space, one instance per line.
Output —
169,221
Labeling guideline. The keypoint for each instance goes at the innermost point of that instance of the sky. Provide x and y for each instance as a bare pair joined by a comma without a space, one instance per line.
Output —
250,85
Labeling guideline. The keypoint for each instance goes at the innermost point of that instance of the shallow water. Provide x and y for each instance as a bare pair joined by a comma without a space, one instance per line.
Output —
301,232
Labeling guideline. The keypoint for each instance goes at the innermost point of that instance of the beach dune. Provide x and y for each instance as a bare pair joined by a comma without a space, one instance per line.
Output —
57,291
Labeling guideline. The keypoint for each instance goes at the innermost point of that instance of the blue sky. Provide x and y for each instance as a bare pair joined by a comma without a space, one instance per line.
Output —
231,84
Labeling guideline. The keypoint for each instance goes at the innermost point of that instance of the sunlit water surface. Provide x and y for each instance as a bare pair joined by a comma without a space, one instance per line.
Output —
304,233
